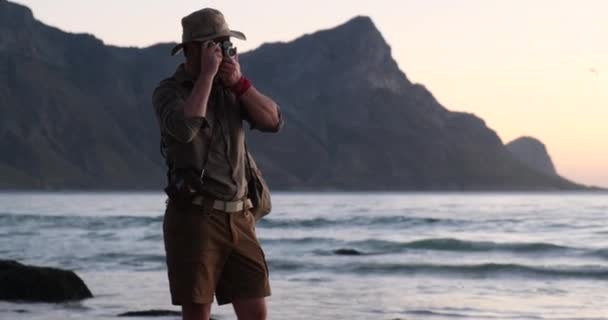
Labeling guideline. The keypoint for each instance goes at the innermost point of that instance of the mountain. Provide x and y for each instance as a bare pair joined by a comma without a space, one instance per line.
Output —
76,114
360,123
532,153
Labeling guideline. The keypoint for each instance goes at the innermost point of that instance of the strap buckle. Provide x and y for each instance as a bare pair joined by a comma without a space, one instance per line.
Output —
226,206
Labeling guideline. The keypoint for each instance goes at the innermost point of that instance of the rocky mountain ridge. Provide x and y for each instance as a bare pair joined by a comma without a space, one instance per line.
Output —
76,114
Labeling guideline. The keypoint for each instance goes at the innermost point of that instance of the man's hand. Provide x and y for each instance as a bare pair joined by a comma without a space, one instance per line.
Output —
211,58
196,104
230,71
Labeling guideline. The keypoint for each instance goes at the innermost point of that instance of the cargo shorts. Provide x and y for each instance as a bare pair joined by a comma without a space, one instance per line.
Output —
209,252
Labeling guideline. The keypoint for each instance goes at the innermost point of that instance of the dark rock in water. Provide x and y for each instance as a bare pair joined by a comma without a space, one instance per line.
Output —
39,284
150,313
348,252
532,153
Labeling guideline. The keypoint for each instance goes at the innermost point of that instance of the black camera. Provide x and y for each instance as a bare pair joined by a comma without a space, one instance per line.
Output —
228,49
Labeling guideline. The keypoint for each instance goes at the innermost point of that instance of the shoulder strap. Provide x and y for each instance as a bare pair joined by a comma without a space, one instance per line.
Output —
208,149
248,172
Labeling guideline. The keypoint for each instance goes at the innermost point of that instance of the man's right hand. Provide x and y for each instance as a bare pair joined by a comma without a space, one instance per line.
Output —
211,58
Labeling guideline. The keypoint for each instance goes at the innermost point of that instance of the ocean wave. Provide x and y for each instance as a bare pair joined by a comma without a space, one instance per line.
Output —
126,221
483,270
375,247
381,221
114,260
299,241
603,253
451,244
324,246
431,313
8,220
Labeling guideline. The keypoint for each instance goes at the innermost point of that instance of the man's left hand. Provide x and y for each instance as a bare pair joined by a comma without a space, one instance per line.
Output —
230,71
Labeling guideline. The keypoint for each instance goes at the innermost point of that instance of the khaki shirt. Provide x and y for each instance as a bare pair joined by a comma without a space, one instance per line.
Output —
186,141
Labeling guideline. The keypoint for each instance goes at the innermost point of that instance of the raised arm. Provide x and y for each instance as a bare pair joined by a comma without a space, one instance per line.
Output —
183,118
263,112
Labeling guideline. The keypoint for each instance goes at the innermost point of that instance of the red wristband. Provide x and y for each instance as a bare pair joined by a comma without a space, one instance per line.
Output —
241,86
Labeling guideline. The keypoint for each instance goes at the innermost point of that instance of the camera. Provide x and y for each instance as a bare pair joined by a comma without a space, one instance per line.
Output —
228,49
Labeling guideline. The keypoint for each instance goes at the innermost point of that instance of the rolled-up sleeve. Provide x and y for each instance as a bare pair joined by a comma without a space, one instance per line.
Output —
252,125
169,110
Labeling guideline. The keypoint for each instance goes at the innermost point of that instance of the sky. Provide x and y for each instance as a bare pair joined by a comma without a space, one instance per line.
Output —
536,68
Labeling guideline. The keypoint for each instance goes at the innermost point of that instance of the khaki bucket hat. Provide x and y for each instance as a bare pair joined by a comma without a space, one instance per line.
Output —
203,25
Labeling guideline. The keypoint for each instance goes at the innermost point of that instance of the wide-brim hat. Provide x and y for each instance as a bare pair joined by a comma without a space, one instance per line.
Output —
203,25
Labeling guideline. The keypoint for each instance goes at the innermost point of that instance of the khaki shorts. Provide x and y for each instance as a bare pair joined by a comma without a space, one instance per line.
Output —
210,251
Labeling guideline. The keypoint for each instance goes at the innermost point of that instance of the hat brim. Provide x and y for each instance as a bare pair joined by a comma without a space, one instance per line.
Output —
231,33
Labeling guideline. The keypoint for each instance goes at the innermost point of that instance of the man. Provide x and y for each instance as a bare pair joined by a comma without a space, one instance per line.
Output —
208,228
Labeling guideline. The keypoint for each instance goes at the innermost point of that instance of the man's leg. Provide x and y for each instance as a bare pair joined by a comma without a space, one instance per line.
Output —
250,309
196,311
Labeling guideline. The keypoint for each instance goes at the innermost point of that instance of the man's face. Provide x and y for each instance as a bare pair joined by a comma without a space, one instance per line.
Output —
194,51
194,48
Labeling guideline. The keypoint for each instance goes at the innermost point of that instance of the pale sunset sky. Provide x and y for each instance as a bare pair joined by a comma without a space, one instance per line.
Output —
527,67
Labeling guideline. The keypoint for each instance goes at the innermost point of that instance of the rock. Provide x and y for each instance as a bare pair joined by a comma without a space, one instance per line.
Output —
532,153
150,313
39,284
348,252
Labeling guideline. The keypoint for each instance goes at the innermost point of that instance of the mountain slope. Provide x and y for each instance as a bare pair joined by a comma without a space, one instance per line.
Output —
366,126
76,113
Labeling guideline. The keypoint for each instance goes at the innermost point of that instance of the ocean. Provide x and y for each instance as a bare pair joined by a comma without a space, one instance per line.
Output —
377,256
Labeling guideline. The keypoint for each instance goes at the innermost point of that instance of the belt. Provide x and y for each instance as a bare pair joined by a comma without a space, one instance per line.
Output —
226,206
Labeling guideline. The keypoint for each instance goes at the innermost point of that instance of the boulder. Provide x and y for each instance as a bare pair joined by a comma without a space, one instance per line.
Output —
348,252
19,282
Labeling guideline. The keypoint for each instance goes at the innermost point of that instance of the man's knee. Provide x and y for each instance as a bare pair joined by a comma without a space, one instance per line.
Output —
250,309
259,313
253,314
196,311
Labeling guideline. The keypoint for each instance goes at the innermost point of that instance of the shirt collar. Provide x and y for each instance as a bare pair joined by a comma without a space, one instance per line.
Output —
182,76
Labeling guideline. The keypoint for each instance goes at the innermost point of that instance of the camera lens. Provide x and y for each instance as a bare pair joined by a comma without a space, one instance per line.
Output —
228,49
